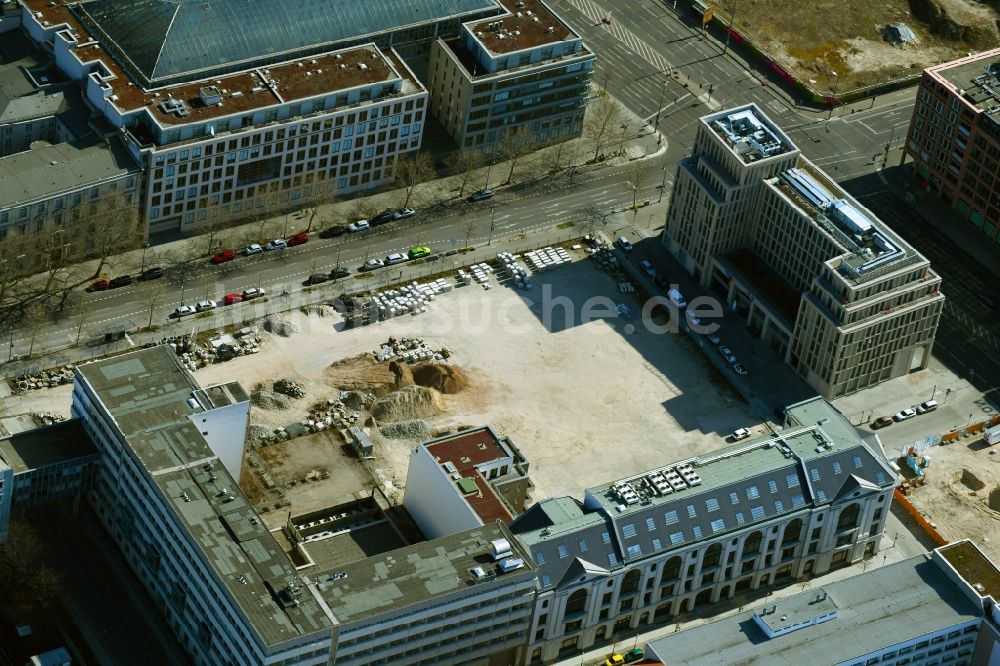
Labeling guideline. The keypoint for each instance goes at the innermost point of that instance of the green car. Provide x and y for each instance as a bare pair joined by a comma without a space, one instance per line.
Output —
633,655
419,251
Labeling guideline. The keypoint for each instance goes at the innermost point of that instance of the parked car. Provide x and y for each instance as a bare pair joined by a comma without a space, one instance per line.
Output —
419,251
252,292
372,264
276,244
333,232
713,339
614,660
881,422
677,298
154,273
232,299
403,213
727,353
98,285
202,306
298,239
907,413
740,370
694,321
647,266
481,195
223,256
395,258
120,281
633,655
360,225
624,244
252,248
741,433
381,218
928,406
317,278
183,311
339,272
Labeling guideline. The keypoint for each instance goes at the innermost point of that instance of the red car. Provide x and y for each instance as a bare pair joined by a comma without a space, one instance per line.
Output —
298,239
232,298
100,285
223,257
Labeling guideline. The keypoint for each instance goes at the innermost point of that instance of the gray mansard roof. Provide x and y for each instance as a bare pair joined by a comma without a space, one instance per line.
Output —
821,461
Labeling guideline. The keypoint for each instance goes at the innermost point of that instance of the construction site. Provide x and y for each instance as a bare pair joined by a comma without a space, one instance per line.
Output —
835,47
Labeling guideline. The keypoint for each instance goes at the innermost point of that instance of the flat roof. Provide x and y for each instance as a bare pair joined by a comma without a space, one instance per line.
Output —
415,574
974,567
467,450
352,545
150,395
875,610
977,76
749,133
530,23
49,169
786,613
48,445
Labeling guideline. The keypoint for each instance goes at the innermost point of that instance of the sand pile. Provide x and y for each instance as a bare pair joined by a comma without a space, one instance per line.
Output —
412,429
402,373
281,327
411,402
444,378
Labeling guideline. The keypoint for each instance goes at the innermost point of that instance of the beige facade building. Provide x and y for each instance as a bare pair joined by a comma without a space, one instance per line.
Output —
845,301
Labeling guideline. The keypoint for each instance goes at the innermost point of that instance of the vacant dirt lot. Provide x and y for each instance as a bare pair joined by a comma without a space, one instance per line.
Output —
840,46
585,402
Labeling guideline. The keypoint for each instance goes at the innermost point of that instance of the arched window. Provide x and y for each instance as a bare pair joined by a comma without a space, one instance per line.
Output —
752,545
671,569
577,602
631,581
712,555
849,516
792,532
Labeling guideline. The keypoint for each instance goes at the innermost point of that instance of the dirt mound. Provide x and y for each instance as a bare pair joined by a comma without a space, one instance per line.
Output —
280,327
264,398
444,378
402,373
413,429
360,373
358,400
412,402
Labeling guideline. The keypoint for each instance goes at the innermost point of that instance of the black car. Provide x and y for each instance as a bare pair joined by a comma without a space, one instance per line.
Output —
481,195
381,218
333,232
154,273
338,273
317,278
120,281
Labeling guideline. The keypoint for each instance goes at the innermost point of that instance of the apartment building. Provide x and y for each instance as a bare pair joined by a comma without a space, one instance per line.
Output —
466,480
954,137
845,301
526,69
918,612
644,549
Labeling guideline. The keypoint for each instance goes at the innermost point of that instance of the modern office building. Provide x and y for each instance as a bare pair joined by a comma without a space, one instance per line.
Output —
526,69
246,108
811,498
470,479
844,299
954,137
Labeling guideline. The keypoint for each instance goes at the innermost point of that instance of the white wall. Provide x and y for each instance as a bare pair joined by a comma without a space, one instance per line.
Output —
433,499
224,428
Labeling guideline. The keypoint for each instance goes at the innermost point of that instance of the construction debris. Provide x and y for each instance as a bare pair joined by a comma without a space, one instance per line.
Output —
411,429
281,327
288,387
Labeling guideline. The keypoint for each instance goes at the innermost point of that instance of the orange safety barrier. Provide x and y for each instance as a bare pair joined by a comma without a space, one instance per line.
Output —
916,515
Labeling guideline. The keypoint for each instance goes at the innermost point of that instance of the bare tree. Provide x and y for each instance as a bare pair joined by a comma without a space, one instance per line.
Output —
638,178
58,254
112,229
594,219
603,116
28,587
556,156
14,249
314,203
264,206
209,222
464,163
34,318
512,147
79,315
152,297
411,171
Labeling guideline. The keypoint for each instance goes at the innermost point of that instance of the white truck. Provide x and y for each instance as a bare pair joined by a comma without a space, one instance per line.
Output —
992,436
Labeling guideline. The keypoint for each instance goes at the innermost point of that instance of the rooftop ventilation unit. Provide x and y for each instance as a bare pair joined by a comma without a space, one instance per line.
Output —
499,549
511,564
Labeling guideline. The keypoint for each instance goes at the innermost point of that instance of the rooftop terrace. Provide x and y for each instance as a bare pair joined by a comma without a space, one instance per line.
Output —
460,455
876,609
977,570
529,24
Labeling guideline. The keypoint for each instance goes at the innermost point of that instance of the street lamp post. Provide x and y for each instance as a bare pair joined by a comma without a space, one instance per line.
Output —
621,145
493,215
142,268
729,28
663,185
10,355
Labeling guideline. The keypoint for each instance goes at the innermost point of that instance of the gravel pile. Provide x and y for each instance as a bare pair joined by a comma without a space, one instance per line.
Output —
280,327
412,429
289,388
264,398
412,402
256,433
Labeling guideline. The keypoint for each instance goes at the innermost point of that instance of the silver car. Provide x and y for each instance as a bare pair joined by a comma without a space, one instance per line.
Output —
202,306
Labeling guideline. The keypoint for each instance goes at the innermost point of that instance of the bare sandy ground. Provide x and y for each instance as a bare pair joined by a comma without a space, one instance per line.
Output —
586,403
